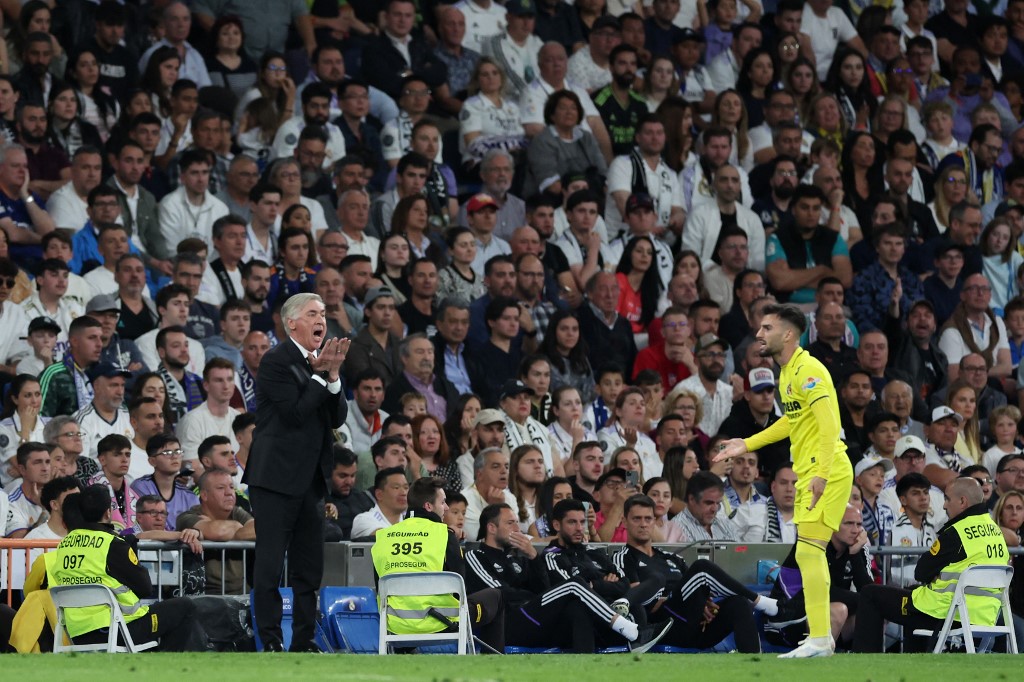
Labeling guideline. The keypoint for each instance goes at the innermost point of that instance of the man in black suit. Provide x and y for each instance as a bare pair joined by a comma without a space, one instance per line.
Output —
394,54
300,400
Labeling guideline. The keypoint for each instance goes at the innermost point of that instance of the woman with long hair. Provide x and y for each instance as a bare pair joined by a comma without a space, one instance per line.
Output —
758,77
151,385
21,422
802,80
552,491
730,113
160,75
136,102
430,444
681,463
566,352
962,398
412,218
458,278
526,475
490,119
847,79
570,426
950,190
227,62
96,106
458,428
676,115
1000,261
8,109
660,492
687,262
892,115
286,174
639,285
660,82
861,168
393,256
67,130
275,84
689,406
625,428
1009,514
787,51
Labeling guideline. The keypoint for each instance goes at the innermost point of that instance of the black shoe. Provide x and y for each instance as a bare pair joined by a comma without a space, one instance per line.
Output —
273,647
305,648
649,636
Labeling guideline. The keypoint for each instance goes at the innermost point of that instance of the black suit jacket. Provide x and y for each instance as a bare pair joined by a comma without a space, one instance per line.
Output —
400,385
383,65
295,416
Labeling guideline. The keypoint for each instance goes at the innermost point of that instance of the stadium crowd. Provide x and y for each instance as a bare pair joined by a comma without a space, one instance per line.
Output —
550,230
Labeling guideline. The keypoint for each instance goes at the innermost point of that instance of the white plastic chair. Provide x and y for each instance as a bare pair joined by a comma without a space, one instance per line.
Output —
971,580
79,596
424,585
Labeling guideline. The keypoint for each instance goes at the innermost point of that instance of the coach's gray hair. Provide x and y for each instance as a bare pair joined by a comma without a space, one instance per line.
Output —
494,154
7,149
480,461
344,195
294,304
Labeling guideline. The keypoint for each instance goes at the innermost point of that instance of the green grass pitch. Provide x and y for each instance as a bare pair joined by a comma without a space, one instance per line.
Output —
564,668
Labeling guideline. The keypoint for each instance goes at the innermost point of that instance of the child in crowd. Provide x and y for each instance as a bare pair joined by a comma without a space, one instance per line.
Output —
610,382
824,152
1002,426
413,404
938,120
456,516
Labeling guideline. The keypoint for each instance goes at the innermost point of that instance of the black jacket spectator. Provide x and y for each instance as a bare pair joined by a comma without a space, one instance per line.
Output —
384,65
741,424
615,346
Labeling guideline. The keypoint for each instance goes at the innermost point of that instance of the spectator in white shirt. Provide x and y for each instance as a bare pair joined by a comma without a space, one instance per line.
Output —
490,486
172,305
190,210
715,394
748,509
214,416
261,237
391,490
106,415
67,206
354,217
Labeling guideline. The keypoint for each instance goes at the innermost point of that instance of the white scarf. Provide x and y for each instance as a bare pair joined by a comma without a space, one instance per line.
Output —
532,433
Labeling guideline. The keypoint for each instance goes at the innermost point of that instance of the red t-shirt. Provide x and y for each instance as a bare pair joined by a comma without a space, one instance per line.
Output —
653,357
629,305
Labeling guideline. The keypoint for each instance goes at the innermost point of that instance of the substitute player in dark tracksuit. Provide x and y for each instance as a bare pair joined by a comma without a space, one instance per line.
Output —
566,616
699,623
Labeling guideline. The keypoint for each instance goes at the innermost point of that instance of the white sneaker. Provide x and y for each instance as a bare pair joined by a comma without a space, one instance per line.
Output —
813,647
621,607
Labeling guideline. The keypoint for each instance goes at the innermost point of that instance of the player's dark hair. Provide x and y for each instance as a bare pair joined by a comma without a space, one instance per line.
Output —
789,314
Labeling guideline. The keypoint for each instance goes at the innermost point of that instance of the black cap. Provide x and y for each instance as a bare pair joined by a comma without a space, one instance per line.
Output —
637,201
515,387
687,34
521,8
606,21
44,323
617,472
106,369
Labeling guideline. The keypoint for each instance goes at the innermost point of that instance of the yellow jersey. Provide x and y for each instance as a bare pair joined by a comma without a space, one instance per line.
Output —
803,381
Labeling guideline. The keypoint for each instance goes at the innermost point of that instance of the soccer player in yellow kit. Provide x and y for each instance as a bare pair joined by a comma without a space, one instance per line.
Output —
824,475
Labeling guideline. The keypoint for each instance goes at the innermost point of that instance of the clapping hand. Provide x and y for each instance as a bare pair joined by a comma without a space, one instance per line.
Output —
331,356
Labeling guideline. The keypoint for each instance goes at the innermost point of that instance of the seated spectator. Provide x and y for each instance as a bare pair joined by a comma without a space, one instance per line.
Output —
562,146
831,348
490,486
190,210
417,358
912,527
345,501
745,506
68,204
523,429
704,517
106,414
218,518
716,394
52,499
375,346
165,457
974,328
114,454
781,527
24,506
391,491
754,413
885,282
172,305
490,120
611,492
65,386
214,416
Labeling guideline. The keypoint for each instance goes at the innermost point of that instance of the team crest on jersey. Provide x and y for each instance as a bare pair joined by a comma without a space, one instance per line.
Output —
789,389
811,383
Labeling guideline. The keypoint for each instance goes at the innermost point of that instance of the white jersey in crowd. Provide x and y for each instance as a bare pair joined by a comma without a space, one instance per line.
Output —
95,428
200,424
662,185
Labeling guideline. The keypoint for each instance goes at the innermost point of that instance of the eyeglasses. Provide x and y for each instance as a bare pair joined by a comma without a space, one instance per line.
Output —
912,455
957,181
153,512
1012,470
982,368
417,93
993,148
978,289
907,72
714,355
786,174
8,282
790,47
276,69
170,453
982,481
72,434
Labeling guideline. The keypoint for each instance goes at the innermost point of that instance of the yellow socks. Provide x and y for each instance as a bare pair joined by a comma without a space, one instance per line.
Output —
810,557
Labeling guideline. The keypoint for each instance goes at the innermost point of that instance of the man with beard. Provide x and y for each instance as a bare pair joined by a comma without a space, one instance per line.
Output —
48,166
202,316
184,389
706,221
784,178
256,287
621,108
34,82
755,413
311,152
715,394
361,131
65,385
500,281
496,171
116,350
223,277
747,287
328,64
356,273
316,107
730,259
254,347
855,395
830,348
641,170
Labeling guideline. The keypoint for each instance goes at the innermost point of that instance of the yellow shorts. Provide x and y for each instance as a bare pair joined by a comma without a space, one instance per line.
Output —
832,505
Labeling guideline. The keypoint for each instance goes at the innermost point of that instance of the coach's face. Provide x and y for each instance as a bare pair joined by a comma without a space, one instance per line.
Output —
309,326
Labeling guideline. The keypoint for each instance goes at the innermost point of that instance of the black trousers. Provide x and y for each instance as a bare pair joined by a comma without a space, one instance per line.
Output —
702,581
567,616
289,525
880,603
487,610
170,621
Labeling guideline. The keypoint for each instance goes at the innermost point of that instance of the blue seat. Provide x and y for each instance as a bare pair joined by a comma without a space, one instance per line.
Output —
530,650
286,623
350,618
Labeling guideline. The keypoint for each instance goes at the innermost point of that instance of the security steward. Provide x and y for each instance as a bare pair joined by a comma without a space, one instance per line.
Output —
92,553
969,538
686,600
422,543
565,616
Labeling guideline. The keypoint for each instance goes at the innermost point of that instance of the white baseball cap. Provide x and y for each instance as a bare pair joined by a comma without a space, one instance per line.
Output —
909,443
869,462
